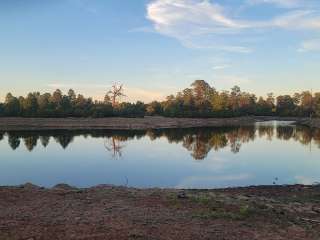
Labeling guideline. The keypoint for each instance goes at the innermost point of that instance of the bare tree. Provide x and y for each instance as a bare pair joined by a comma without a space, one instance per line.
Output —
115,93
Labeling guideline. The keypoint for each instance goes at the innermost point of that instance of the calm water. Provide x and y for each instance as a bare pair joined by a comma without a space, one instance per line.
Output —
268,153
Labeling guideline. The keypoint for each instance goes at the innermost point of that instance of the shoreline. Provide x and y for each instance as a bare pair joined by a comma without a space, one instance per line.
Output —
113,123
110,212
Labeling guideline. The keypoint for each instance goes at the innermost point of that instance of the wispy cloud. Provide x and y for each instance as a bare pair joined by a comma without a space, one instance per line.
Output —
298,20
190,19
310,45
203,24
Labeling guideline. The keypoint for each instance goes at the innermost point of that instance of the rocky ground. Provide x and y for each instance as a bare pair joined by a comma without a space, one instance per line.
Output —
106,212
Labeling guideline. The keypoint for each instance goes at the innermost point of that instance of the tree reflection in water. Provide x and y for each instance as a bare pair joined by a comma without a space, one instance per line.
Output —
199,141
31,142
115,146
13,141
45,140
64,139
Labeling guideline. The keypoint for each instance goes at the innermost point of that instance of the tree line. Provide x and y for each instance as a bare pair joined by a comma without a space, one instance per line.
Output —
71,104
200,100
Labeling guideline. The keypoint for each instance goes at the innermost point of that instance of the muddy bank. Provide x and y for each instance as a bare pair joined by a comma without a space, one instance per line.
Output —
106,212
7,124
12,124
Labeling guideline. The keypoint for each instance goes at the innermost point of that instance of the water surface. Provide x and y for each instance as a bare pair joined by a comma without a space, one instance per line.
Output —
264,154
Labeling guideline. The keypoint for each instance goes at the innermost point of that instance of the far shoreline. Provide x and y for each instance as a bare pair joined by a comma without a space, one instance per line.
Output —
154,122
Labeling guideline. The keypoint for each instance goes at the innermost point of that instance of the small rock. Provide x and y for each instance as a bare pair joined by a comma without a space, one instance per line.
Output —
182,195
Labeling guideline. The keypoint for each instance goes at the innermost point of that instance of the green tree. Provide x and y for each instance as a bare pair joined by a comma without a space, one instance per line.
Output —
72,95
154,108
317,104
30,105
202,91
263,108
57,96
2,112
45,107
12,106
307,106
285,105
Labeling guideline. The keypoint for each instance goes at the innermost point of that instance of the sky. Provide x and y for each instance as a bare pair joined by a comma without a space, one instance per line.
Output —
158,47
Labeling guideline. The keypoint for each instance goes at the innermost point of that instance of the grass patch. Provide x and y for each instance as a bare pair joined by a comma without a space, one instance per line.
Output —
201,199
243,213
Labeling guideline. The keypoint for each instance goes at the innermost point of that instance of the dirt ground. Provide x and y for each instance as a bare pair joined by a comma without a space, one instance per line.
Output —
13,124
7,124
107,212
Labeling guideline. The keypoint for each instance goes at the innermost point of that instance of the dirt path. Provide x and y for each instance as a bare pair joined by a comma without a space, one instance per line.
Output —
105,212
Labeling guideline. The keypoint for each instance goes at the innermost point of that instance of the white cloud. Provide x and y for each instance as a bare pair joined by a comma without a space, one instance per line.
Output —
299,19
201,44
168,12
189,20
204,24
310,45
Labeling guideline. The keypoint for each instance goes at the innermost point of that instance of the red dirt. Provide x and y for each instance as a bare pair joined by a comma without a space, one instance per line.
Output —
106,212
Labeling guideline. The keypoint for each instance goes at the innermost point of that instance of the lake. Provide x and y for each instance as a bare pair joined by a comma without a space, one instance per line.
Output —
264,154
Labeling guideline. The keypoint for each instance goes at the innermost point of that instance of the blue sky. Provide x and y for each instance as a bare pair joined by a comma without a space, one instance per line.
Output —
157,47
